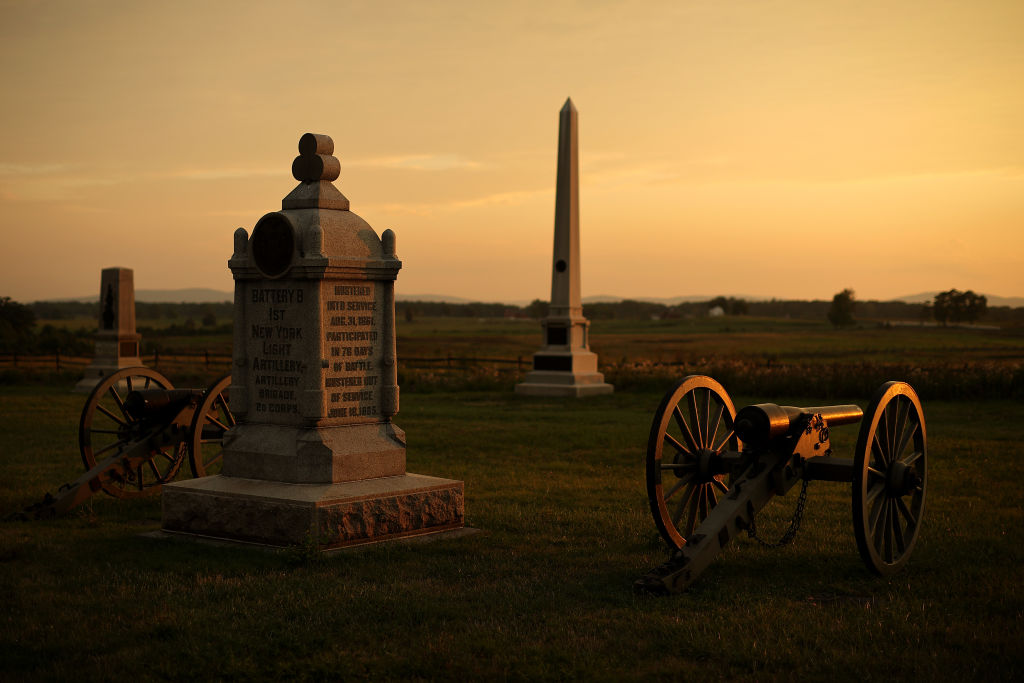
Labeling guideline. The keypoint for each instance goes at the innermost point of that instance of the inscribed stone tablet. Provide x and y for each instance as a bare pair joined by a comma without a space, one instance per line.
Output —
279,353
352,313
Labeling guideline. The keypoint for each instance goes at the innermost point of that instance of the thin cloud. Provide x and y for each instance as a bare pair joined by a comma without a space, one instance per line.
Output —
226,173
496,199
416,162
34,169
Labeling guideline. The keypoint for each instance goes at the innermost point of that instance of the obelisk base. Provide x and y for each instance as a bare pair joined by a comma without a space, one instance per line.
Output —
112,354
539,383
564,373
329,515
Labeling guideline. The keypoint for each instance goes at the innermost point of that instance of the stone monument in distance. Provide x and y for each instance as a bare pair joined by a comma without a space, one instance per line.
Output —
117,344
565,365
314,456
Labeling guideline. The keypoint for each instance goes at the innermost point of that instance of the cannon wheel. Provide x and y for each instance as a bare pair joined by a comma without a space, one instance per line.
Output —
106,428
694,420
211,420
890,477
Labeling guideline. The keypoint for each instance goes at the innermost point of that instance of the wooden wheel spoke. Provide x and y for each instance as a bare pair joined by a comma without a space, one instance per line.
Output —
725,441
720,486
103,409
227,410
152,466
691,400
215,459
220,424
118,401
712,423
881,528
671,440
899,427
907,514
685,429
165,456
908,435
684,504
678,485
874,491
691,518
912,458
900,545
875,516
878,449
113,444
890,424
712,498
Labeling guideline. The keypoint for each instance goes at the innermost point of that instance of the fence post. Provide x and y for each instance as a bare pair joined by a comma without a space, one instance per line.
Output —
519,363
156,357
206,353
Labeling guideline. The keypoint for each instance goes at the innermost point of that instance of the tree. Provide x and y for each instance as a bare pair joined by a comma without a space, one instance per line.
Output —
537,309
956,306
730,305
840,313
16,323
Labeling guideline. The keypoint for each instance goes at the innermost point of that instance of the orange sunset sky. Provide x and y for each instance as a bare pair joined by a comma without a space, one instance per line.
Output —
766,148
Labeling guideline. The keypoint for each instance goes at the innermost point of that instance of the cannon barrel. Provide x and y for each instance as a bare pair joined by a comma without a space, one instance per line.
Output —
148,402
762,423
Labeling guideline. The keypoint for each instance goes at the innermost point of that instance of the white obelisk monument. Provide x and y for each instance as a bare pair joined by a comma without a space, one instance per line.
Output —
565,365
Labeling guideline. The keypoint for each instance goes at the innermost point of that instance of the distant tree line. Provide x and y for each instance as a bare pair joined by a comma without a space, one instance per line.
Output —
20,332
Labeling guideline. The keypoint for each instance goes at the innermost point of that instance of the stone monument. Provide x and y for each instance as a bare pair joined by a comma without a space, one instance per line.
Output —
314,456
117,344
565,365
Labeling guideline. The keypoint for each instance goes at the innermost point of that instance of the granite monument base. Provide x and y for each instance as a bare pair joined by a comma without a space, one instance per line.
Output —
564,373
542,383
111,355
329,515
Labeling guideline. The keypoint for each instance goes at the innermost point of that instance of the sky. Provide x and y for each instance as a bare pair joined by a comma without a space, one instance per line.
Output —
769,148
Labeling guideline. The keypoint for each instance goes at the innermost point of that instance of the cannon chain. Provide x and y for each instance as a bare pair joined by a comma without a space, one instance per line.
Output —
794,523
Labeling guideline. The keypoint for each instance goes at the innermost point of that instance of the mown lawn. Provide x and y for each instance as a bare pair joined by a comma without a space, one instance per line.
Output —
543,591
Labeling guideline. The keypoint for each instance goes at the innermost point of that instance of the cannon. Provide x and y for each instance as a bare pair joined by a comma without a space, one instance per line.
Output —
710,470
135,433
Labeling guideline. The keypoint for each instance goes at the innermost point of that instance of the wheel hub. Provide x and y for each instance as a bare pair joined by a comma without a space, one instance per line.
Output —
901,480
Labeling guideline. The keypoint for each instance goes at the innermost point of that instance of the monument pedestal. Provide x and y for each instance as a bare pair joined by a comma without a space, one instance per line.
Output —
329,515
564,373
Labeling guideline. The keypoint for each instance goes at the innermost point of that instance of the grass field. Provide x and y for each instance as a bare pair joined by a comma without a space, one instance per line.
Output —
543,591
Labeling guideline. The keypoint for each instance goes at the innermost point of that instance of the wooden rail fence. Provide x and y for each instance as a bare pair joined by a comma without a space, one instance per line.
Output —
210,360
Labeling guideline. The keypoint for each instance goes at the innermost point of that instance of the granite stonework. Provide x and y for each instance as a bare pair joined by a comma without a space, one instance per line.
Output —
565,365
336,515
117,343
314,385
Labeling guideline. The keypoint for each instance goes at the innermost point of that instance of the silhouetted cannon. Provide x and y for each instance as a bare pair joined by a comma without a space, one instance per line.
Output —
710,470
136,431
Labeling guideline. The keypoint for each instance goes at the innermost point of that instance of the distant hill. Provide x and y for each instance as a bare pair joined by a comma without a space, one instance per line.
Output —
203,295
194,295
435,298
